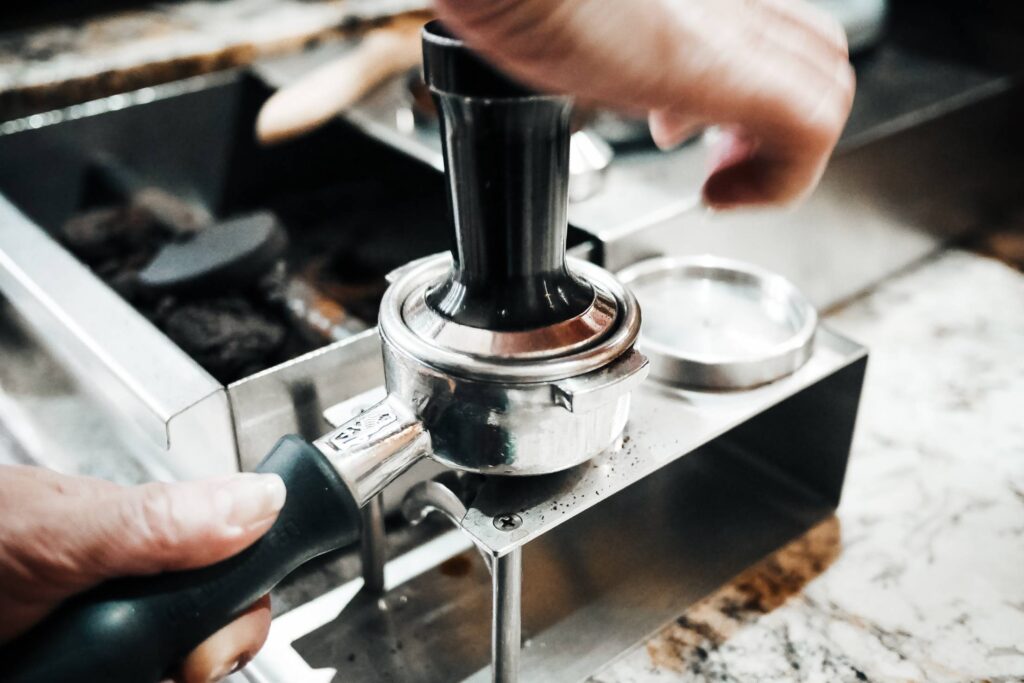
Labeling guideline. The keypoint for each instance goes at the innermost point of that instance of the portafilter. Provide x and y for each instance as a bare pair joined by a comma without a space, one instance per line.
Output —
504,358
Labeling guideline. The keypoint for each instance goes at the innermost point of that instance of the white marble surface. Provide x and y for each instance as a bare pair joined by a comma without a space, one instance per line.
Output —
921,576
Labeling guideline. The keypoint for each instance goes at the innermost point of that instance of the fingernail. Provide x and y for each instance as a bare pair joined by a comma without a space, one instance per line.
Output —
240,663
248,500
223,672
668,134
730,149
660,133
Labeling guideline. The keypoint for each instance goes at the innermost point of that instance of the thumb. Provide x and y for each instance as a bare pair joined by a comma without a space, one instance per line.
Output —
164,527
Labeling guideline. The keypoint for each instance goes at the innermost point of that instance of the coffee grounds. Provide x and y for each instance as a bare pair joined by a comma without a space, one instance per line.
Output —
227,336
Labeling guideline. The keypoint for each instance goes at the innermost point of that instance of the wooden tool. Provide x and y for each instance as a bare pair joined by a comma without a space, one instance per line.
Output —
318,96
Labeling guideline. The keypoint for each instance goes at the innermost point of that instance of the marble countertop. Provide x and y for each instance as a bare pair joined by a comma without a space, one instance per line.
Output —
920,575
54,65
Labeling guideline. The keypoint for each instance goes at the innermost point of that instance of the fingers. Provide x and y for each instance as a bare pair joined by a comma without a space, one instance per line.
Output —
669,129
56,482
777,70
62,535
165,527
230,648
795,131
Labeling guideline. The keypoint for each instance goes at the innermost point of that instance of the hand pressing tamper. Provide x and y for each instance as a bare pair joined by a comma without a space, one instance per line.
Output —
503,359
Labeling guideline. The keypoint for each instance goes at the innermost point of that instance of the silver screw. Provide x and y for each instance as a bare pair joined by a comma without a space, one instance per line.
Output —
507,522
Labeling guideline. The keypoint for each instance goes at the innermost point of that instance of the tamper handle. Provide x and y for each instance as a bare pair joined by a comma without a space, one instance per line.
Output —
134,630
506,154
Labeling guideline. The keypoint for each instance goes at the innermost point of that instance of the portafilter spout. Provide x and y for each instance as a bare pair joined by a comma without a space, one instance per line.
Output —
506,360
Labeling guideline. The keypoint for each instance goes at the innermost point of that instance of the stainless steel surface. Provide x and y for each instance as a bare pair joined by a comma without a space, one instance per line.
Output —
292,397
717,323
584,393
622,545
664,424
373,550
49,418
507,414
506,617
589,159
559,339
371,450
507,428
432,496
153,394
116,353
397,334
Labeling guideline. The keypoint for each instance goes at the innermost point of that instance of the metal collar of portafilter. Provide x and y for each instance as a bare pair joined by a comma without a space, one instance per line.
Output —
513,359
511,402
588,341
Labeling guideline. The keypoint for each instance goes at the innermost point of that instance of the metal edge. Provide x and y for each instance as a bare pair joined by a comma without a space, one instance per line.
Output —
832,353
119,355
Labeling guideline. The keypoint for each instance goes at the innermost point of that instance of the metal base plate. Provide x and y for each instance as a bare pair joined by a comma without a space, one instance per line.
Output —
611,552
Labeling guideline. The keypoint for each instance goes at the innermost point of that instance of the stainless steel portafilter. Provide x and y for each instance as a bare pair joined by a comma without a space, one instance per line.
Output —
503,358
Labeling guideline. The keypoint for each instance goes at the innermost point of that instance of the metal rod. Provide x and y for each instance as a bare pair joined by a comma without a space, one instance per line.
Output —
373,546
506,617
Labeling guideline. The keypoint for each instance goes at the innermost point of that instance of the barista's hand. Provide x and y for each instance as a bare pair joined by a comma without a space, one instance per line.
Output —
60,535
774,73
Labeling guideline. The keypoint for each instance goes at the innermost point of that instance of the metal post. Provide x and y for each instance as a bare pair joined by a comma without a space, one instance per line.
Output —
506,616
373,546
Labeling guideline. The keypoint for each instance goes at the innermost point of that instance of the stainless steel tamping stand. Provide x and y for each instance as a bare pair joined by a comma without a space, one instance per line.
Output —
508,298
504,359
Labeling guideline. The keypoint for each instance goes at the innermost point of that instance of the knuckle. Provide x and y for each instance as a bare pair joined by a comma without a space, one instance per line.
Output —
154,518
827,26
824,115
835,34
848,83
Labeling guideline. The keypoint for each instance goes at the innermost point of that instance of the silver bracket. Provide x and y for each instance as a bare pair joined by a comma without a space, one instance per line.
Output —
506,577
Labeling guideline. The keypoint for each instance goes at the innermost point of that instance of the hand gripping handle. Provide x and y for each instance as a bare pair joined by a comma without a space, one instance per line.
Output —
135,630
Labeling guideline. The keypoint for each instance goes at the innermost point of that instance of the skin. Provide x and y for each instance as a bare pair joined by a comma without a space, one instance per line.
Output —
62,535
773,74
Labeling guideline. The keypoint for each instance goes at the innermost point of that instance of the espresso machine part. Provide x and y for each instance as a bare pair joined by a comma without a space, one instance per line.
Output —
504,359
742,326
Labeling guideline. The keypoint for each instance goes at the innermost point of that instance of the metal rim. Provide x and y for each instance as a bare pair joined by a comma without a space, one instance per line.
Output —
712,371
550,341
617,340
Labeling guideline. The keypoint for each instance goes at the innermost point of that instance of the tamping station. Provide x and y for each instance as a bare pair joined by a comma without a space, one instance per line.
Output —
502,360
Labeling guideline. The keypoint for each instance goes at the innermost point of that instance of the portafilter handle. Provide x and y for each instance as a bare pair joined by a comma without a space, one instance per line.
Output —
506,159
136,630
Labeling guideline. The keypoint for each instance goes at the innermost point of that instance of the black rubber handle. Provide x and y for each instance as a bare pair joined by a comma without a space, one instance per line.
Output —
506,160
135,630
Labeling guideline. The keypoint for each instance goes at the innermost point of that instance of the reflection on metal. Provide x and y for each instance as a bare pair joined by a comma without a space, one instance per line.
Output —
506,575
610,551
741,326
373,550
506,617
